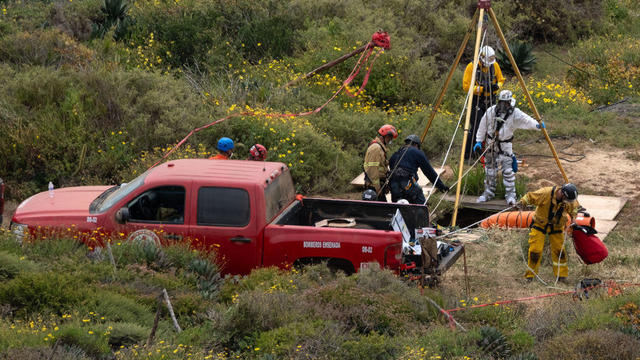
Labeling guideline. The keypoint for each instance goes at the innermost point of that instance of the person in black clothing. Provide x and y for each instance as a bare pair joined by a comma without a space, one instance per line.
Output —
404,180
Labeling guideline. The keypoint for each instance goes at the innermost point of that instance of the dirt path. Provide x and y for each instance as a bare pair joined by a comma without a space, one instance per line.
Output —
603,170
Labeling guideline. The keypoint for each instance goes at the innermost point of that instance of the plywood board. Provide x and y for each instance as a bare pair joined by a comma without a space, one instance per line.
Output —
602,207
469,201
423,181
604,227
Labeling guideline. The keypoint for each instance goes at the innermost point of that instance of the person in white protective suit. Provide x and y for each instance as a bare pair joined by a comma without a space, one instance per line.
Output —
496,130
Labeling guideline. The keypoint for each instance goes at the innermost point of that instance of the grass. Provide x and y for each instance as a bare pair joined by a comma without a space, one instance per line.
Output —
121,104
307,313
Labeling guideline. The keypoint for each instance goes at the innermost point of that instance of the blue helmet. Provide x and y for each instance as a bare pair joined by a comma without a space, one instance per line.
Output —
225,144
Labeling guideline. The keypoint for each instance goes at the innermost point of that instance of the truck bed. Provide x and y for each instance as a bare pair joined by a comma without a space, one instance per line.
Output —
366,214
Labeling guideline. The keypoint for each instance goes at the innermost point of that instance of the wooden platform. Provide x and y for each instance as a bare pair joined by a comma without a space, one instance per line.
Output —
603,208
469,201
423,181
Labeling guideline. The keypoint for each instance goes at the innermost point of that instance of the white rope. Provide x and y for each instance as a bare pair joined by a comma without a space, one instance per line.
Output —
474,224
444,161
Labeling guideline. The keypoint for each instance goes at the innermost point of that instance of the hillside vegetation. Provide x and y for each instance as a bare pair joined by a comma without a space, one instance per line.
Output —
96,91
56,299
125,80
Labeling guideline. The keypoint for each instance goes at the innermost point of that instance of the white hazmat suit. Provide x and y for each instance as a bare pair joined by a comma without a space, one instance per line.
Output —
498,135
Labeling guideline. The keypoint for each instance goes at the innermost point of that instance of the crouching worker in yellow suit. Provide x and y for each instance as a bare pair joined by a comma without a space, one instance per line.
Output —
554,207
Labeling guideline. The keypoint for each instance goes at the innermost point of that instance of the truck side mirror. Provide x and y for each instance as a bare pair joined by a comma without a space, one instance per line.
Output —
122,215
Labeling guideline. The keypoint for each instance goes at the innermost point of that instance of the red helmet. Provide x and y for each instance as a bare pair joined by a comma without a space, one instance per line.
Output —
388,130
258,152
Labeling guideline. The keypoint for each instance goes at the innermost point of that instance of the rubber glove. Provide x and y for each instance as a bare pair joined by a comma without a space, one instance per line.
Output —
540,125
477,147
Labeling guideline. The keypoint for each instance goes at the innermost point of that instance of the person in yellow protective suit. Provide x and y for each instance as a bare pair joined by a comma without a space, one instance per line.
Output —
376,165
489,80
554,207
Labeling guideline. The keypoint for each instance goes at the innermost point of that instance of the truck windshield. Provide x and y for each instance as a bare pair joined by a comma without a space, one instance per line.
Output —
112,197
278,194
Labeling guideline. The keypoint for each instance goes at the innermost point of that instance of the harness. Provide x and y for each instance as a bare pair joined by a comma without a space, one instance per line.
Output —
403,173
497,131
492,80
550,217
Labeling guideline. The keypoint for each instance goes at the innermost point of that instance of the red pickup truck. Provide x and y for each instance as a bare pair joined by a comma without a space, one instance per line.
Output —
246,210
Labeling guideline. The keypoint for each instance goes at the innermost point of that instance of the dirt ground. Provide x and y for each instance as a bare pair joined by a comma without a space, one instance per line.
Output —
496,262
602,171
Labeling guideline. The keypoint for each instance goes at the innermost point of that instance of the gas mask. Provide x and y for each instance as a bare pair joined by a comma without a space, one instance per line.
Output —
503,110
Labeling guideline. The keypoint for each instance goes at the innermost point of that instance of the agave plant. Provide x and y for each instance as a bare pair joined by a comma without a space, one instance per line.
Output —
208,275
114,16
494,343
522,54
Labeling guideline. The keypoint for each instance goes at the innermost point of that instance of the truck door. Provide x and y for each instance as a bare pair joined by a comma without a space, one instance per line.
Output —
223,223
158,214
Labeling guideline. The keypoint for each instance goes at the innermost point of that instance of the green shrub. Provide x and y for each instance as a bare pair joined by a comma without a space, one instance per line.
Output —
39,353
180,254
473,182
188,306
447,343
124,333
35,292
390,309
282,341
119,308
12,265
591,344
74,18
56,246
371,346
542,21
43,47
92,342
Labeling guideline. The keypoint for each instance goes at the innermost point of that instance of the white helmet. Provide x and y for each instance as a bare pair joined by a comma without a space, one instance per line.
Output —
403,201
487,55
507,95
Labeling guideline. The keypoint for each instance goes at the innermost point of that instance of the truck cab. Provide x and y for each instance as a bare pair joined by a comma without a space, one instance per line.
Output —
245,211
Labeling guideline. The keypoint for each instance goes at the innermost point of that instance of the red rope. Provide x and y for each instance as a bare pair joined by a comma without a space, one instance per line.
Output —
611,285
378,39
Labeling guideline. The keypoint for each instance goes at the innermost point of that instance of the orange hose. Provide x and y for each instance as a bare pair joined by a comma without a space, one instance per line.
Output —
511,219
523,219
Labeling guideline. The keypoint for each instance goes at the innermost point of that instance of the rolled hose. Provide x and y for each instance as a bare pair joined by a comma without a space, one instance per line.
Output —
523,219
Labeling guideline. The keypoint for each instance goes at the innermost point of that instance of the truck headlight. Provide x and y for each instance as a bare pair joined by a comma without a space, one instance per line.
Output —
19,230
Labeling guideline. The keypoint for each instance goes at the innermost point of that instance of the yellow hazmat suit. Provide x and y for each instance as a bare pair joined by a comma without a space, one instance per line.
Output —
551,217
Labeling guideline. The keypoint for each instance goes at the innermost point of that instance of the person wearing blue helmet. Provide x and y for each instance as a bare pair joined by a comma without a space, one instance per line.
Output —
225,149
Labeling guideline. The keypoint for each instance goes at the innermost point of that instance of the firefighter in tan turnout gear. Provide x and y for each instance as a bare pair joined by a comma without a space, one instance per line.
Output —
496,130
554,207
376,165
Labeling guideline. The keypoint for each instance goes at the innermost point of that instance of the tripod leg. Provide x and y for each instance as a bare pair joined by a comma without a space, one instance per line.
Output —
526,92
436,105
